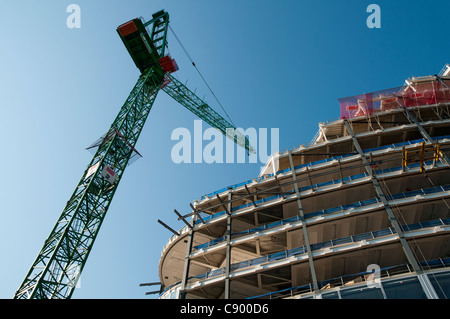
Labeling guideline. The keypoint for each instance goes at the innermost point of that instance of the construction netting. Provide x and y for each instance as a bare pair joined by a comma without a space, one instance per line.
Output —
416,92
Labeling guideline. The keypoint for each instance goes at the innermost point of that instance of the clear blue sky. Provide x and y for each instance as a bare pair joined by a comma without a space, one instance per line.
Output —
273,64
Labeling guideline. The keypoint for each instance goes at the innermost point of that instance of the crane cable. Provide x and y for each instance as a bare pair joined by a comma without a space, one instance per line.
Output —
193,63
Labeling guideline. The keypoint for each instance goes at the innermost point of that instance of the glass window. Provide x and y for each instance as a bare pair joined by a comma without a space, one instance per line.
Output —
408,288
362,292
331,295
441,284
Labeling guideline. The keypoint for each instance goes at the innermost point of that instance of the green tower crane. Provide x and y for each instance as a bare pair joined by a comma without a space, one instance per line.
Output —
57,267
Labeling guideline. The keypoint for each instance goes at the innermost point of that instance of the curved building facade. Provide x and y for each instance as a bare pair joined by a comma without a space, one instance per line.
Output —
360,212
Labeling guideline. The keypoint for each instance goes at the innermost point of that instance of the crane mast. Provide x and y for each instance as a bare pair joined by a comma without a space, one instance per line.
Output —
56,269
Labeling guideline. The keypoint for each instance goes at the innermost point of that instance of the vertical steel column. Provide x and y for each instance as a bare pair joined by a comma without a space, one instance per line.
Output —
305,231
187,260
228,250
431,294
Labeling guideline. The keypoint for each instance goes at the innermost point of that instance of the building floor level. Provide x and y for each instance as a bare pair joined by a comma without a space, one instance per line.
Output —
360,212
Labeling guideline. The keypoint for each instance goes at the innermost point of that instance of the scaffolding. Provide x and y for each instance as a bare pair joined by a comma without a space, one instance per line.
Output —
417,91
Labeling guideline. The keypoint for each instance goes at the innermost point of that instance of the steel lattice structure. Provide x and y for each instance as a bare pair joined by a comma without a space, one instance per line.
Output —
55,271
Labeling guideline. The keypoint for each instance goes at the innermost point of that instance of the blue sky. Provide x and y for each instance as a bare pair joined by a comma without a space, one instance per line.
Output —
272,64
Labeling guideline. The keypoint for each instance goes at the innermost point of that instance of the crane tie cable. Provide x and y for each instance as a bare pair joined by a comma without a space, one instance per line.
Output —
193,63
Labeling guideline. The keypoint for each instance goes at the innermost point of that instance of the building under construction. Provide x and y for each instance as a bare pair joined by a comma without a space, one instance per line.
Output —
360,212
